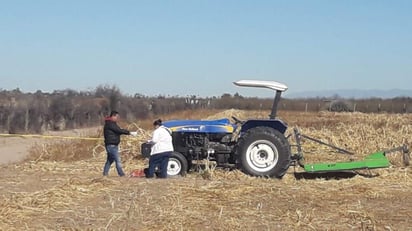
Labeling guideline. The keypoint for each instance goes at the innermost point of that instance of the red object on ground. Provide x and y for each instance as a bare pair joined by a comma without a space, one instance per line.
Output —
137,173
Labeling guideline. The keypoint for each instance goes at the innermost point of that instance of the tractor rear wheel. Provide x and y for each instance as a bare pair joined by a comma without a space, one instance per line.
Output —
177,165
263,151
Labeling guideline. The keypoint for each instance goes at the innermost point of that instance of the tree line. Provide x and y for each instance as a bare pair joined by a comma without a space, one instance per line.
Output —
67,109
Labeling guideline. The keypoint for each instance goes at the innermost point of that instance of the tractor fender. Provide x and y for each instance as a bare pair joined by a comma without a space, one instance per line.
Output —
276,124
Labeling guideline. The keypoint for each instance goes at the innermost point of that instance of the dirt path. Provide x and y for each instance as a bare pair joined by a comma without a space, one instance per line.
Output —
14,149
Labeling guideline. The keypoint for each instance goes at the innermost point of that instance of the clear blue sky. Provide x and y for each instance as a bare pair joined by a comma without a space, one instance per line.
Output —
200,47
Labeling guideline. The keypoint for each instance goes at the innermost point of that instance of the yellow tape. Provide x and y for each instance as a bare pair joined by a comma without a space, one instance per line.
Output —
50,137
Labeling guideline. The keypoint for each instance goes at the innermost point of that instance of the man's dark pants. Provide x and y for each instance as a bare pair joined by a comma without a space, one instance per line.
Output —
113,156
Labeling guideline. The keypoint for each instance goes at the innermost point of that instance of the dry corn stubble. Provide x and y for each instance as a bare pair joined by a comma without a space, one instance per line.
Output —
63,194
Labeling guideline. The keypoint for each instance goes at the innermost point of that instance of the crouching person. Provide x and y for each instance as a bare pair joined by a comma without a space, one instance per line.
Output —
162,148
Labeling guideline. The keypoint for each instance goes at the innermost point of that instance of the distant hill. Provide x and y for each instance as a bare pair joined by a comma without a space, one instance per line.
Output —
352,93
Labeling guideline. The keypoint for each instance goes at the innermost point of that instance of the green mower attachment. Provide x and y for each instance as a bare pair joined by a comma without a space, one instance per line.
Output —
374,160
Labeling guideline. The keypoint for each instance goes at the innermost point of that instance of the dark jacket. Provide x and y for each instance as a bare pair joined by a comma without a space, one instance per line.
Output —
112,132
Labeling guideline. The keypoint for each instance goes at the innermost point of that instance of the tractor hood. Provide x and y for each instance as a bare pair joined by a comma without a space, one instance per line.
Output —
206,126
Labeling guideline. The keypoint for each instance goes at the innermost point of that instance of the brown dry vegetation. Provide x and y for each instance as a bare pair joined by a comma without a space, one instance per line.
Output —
59,187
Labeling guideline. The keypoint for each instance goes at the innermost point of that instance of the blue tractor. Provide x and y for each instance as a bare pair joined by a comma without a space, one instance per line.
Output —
257,147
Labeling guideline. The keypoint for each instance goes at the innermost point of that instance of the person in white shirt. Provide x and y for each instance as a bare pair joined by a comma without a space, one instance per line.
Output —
162,148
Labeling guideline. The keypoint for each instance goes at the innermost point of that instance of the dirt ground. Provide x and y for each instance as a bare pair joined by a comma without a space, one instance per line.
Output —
15,149
72,195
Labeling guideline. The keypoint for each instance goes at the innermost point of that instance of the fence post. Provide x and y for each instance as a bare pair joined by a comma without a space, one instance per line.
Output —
26,119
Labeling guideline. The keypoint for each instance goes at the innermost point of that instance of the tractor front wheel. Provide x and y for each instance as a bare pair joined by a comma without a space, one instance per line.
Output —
177,165
263,151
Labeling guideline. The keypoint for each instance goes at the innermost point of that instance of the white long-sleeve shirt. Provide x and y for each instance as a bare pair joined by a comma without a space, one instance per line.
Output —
162,140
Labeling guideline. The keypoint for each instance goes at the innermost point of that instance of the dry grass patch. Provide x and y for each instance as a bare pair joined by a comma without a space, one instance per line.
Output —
70,194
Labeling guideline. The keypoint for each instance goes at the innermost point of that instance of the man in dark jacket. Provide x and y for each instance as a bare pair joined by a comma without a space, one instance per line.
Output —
112,134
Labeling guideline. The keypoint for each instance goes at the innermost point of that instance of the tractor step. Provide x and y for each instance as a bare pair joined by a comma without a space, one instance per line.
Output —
375,160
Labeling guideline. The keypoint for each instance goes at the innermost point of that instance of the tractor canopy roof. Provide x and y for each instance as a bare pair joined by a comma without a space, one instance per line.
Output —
263,84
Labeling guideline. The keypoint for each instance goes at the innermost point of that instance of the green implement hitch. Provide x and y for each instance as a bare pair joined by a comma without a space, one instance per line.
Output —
374,160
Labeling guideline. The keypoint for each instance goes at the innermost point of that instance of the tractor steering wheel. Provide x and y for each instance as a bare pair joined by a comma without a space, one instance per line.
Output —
237,121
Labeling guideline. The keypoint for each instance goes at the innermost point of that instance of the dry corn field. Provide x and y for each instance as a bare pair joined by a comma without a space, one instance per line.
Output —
60,187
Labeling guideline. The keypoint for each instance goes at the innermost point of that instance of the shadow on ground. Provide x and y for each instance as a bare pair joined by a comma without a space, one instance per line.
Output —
332,175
